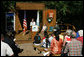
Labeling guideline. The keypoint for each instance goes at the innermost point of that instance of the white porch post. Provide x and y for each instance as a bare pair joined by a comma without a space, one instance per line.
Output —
14,21
37,21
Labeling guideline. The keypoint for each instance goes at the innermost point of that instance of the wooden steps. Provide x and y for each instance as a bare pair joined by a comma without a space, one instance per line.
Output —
23,41
20,36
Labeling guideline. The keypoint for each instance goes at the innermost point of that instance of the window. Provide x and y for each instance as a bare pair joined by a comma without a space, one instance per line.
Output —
9,21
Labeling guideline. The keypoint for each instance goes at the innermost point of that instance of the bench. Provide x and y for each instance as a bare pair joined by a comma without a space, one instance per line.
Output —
41,48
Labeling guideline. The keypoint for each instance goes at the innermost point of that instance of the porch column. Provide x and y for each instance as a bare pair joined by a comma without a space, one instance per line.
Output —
14,21
37,21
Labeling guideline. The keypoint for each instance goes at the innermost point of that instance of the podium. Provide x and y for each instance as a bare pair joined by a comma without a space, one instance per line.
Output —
35,29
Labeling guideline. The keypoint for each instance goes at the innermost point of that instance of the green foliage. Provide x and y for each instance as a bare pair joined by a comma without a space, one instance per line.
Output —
63,7
7,5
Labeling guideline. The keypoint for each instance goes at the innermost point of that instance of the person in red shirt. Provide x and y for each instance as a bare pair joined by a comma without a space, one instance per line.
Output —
73,48
56,45
80,38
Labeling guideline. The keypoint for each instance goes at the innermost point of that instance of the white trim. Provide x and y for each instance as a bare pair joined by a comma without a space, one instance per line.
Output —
37,21
14,21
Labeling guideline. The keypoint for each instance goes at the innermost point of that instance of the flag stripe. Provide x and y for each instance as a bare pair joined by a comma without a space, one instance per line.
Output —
24,22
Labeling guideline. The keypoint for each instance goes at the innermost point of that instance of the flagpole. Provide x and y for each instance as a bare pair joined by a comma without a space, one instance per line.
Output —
24,14
24,30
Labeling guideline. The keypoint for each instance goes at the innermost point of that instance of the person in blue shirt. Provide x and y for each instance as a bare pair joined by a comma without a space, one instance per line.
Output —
77,35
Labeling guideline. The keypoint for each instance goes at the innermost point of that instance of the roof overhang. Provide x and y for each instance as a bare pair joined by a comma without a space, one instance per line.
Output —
29,6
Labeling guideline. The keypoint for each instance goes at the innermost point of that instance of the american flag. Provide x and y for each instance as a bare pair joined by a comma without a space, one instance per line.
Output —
24,21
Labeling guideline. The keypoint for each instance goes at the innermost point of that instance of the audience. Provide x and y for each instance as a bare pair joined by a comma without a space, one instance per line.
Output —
5,48
73,48
72,45
9,40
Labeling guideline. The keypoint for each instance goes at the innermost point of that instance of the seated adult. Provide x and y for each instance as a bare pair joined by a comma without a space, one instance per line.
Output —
37,40
44,28
50,38
56,27
12,36
80,38
12,44
56,45
67,38
5,48
45,42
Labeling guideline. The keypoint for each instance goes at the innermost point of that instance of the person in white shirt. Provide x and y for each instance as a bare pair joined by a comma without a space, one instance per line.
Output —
44,28
45,41
5,48
32,23
51,37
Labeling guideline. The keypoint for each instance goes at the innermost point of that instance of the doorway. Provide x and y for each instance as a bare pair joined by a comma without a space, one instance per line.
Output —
29,15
